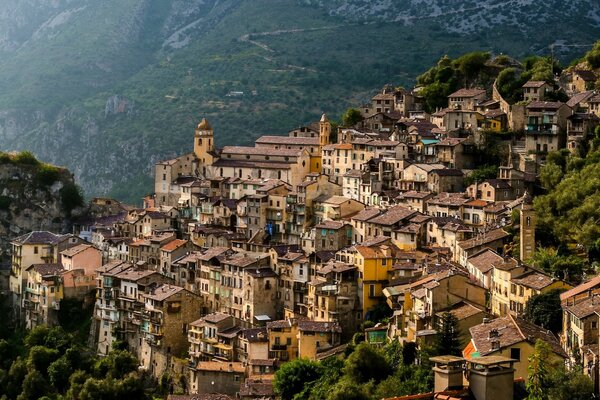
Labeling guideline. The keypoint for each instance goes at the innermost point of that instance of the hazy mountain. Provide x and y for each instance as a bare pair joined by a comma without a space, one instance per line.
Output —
109,87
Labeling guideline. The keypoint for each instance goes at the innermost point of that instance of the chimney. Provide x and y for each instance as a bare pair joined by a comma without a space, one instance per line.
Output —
448,373
491,378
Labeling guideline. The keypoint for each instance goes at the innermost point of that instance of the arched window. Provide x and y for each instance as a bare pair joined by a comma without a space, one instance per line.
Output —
199,141
221,171
528,221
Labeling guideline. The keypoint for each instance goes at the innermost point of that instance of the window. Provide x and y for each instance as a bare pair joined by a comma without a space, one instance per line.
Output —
35,250
371,290
515,354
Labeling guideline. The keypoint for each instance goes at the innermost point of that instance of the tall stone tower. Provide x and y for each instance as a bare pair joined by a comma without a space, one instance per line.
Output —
527,231
324,131
204,143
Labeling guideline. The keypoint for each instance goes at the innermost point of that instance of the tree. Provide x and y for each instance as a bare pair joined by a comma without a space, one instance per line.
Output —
545,310
34,386
538,379
481,173
409,353
570,384
593,56
366,363
294,376
550,175
351,117
347,389
59,372
448,337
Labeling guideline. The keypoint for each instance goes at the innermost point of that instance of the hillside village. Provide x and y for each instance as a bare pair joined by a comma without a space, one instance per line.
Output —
246,258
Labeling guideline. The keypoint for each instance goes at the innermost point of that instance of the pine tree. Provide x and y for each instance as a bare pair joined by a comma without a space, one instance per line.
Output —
448,341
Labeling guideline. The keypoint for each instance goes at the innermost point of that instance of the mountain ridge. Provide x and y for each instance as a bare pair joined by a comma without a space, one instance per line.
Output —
110,88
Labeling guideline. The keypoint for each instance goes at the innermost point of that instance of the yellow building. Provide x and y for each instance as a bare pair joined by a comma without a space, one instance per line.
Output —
511,337
514,283
290,338
374,264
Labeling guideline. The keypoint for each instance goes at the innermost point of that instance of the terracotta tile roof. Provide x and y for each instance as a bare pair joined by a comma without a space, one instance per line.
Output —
467,92
534,279
584,287
507,264
283,140
413,194
318,326
463,310
46,269
254,164
534,84
584,308
579,97
586,75
393,216
484,260
261,151
174,245
215,318
216,366
38,237
450,199
509,331
76,250
546,105
133,275
477,203
163,292
335,225
366,214
256,335
489,237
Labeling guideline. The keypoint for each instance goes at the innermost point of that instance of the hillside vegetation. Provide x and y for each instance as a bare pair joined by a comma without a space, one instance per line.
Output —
109,88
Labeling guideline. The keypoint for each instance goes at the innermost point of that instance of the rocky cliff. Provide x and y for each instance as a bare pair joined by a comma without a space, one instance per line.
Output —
33,196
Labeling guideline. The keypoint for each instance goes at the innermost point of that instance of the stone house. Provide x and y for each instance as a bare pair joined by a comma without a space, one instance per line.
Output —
168,311
492,190
216,377
42,294
546,126
466,99
536,90
512,337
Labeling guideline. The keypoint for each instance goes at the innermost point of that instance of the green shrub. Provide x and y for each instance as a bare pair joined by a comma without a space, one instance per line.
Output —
47,174
26,157
71,197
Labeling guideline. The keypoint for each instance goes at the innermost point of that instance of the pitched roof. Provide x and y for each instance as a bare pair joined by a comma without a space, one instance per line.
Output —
534,279
484,260
262,151
76,250
38,237
174,245
584,308
590,284
491,236
318,326
46,269
534,84
547,105
366,214
509,331
467,92
283,140
163,292
393,216
586,75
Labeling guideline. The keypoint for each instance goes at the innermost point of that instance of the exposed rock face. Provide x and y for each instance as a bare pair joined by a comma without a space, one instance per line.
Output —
28,204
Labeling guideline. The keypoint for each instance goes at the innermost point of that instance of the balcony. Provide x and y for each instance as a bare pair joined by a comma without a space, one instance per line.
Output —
542,129
279,347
